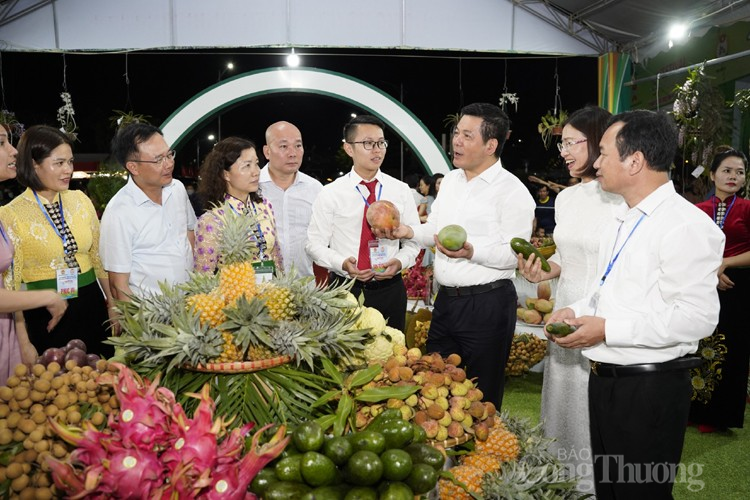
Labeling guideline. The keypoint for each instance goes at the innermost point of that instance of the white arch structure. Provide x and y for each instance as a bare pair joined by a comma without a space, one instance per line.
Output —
247,86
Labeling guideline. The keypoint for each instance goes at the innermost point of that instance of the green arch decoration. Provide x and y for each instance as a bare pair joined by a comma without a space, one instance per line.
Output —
211,101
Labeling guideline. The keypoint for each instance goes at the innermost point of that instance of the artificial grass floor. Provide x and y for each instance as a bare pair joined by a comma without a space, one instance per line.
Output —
716,466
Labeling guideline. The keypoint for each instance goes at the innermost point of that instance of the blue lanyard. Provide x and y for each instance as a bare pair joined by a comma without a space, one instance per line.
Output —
262,243
2,233
726,214
377,198
614,259
63,237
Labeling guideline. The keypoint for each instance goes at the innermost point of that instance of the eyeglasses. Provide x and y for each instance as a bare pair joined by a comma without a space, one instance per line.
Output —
565,146
368,145
171,155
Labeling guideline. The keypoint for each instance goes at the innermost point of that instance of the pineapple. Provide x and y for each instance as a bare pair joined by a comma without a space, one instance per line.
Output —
279,301
237,250
210,308
230,352
483,462
501,443
258,352
466,474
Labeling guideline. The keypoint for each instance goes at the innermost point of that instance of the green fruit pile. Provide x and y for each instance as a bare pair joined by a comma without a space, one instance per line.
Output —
388,460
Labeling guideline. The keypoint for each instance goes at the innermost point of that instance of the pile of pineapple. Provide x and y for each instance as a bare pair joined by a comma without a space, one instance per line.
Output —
501,446
227,317
514,462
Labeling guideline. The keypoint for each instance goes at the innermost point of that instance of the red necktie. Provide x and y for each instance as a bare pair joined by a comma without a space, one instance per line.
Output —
363,260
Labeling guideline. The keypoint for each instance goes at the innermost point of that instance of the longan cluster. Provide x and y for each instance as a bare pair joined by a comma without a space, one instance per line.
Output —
526,351
32,396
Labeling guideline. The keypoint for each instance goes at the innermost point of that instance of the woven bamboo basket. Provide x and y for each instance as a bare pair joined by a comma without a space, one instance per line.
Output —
451,442
241,366
547,251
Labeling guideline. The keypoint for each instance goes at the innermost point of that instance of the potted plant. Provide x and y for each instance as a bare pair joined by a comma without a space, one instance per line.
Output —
551,126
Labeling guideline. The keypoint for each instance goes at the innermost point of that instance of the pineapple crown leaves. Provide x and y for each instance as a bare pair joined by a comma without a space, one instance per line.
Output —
534,445
239,238
249,321
186,341
199,283
139,338
524,481
294,338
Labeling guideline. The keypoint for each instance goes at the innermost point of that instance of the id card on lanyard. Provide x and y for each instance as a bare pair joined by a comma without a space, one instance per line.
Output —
378,252
594,302
66,277
264,271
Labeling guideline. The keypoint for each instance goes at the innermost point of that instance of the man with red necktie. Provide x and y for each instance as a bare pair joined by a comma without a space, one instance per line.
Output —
339,237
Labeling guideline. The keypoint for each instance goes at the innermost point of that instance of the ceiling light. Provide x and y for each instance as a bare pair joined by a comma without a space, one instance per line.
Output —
292,60
678,31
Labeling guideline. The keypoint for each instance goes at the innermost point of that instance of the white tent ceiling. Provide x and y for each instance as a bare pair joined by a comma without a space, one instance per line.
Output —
577,27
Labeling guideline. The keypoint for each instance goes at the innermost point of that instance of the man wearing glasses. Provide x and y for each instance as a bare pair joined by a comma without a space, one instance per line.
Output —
340,239
147,228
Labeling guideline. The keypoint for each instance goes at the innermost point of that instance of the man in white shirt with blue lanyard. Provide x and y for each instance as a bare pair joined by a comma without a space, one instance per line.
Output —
655,300
290,192
147,228
339,238
475,310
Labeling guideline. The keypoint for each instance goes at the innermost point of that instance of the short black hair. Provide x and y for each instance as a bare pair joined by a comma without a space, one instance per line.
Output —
495,123
127,139
35,146
350,129
652,133
412,180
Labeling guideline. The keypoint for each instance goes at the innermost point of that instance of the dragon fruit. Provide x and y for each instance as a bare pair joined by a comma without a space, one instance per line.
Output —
144,415
151,449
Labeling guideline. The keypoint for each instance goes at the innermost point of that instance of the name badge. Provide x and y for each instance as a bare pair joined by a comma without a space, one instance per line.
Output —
264,271
67,282
378,256
594,302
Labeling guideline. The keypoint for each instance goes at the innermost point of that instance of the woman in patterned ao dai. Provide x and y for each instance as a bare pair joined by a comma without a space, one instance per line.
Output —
581,211
230,174
55,232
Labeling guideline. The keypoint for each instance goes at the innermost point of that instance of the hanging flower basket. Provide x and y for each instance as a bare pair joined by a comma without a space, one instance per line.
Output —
551,125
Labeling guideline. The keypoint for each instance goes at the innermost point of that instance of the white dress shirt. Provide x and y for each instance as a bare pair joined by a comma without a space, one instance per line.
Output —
292,209
147,240
493,208
660,297
336,223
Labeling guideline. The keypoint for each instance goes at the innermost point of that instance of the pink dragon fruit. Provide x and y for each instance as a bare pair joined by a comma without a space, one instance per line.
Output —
153,450
144,416
131,473
91,444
